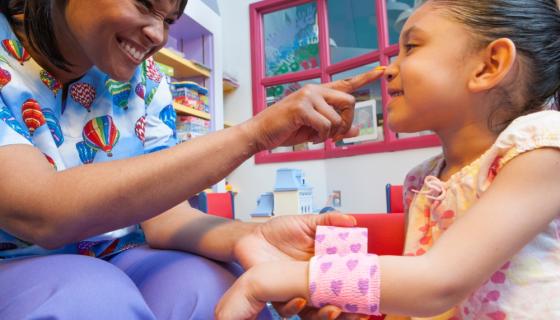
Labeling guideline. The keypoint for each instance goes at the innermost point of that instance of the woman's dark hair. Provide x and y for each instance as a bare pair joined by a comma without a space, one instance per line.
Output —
38,25
534,28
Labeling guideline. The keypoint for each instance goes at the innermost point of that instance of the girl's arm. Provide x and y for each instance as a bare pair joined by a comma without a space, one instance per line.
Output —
519,205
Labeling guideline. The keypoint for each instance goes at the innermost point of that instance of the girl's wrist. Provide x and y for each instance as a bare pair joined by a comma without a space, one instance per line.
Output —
281,280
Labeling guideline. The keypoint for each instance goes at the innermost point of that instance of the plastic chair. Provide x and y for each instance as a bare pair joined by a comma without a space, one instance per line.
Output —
385,235
217,203
394,197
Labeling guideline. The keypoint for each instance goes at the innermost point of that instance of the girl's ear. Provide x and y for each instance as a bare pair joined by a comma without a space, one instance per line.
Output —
496,61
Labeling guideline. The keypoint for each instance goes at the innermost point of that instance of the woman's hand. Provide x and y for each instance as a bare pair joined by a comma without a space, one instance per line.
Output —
313,113
290,238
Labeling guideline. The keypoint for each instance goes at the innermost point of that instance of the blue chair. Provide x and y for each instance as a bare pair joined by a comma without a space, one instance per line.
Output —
394,198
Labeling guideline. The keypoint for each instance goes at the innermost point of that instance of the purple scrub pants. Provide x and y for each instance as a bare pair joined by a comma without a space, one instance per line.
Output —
140,283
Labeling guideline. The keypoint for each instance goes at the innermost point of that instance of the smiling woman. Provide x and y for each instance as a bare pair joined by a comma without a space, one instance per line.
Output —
74,35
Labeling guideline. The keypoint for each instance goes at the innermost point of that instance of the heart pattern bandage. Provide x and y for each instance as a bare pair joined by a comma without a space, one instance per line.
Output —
342,273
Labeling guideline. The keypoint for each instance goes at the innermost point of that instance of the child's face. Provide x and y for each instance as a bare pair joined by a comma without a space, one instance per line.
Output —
428,80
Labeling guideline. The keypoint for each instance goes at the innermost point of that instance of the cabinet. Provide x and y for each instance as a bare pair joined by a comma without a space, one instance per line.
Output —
194,50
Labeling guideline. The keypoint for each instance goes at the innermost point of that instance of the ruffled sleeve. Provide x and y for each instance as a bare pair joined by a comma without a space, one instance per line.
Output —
526,133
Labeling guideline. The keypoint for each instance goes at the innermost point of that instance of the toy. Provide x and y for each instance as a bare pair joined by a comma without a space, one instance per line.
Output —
265,206
291,193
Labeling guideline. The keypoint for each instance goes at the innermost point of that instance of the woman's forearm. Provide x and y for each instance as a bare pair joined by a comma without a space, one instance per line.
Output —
55,208
187,229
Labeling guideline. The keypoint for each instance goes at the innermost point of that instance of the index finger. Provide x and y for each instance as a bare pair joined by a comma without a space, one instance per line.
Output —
352,84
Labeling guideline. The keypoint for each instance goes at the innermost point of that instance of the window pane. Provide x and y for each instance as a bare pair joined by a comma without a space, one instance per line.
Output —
275,94
368,115
398,12
291,39
352,28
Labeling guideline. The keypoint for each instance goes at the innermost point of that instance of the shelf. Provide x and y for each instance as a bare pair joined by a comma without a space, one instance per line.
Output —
179,108
183,68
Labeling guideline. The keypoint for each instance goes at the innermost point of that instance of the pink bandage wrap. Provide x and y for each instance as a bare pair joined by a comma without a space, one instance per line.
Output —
341,241
347,276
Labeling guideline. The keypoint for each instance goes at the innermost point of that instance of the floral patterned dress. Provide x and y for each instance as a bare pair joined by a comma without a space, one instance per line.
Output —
100,120
528,285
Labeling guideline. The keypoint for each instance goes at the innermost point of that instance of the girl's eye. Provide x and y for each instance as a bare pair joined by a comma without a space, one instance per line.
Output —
170,21
409,47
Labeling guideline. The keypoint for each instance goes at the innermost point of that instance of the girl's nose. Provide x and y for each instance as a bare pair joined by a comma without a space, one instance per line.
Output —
390,72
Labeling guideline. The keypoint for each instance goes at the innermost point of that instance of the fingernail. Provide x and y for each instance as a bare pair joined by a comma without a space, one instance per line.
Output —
380,68
333,314
300,304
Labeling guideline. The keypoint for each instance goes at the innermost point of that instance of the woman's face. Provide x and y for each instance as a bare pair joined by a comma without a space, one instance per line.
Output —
428,80
117,35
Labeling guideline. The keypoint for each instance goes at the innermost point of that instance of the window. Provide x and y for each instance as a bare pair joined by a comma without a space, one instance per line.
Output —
295,42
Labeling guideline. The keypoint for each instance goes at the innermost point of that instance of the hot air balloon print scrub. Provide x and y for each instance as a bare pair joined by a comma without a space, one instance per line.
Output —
120,92
54,126
101,134
32,115
83,93
14,48
5,77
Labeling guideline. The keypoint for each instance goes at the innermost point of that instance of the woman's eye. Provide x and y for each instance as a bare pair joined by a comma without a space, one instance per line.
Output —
170,21
146,4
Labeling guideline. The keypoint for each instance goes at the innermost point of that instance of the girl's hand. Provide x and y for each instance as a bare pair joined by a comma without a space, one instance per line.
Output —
271,281
311,114
290,238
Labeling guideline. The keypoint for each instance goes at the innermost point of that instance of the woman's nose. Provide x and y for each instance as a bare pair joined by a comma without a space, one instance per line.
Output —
155,32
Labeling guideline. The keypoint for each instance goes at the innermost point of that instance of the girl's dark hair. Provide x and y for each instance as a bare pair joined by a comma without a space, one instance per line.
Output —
534,28
38,26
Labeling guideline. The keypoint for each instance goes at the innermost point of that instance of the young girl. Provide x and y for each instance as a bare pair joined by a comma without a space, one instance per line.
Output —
483,230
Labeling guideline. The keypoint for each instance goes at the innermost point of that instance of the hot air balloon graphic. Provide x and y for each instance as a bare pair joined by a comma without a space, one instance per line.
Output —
120,92
101,134
32,115
50,81
139,90
152,71
50,160
3,59
16,50
5,77
83,93
10,120
54,126
140,127
168,116
86,153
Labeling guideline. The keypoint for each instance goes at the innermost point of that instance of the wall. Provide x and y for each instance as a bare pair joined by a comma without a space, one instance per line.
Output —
361,179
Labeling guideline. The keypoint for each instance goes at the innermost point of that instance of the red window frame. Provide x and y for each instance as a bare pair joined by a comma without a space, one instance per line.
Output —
324,72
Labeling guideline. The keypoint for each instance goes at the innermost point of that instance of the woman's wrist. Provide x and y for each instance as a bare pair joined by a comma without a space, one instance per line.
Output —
242,230
250,131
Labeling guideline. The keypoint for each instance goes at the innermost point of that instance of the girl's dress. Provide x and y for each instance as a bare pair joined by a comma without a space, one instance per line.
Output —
528,285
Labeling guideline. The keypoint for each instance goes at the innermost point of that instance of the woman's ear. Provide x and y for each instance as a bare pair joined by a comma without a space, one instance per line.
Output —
496,61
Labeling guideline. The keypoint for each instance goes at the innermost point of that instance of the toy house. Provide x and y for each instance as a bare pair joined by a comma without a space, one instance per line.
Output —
291,193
